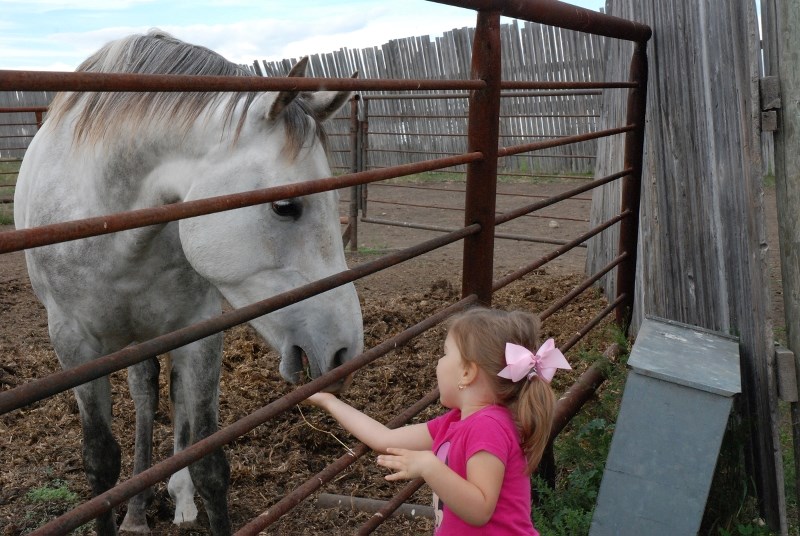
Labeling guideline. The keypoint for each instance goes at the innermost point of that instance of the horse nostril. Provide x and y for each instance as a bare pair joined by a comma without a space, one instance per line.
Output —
340,357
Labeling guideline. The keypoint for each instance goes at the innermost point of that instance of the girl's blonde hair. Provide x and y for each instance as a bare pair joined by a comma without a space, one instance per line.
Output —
481,335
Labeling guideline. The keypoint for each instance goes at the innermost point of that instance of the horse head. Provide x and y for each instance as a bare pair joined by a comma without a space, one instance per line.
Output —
253,253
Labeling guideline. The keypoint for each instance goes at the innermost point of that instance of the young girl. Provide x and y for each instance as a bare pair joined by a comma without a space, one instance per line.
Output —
476,458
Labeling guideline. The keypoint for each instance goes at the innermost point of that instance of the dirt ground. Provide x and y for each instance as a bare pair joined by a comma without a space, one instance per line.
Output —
40,444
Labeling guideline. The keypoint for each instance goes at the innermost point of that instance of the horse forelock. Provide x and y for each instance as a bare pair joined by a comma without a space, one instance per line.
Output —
104,114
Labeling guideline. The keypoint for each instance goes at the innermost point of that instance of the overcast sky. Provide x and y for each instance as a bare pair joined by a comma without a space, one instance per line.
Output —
57,35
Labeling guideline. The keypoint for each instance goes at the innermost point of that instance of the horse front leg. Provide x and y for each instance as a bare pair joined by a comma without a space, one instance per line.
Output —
143,385
195,384
101,454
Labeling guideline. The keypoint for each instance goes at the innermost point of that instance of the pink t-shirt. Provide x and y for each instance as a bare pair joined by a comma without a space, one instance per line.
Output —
455,441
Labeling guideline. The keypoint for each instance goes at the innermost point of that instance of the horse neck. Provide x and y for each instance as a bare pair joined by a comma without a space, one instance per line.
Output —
157,166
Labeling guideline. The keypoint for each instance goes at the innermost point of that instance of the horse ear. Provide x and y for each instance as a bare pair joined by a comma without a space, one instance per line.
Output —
284,98
327,103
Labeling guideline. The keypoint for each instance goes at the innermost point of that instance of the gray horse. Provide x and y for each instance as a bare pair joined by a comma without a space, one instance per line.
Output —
101,153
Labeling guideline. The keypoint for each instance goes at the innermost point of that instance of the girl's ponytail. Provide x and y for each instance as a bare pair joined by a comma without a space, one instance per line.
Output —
534,411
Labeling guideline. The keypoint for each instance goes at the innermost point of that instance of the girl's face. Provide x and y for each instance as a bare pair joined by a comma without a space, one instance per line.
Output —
448,374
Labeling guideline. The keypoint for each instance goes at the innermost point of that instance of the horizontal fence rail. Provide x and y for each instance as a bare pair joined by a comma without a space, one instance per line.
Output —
61,232
561,15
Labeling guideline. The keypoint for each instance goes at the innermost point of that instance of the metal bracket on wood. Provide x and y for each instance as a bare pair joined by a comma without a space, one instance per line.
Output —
770,91
786,371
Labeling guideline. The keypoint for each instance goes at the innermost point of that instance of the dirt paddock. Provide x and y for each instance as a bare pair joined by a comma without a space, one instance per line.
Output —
40,444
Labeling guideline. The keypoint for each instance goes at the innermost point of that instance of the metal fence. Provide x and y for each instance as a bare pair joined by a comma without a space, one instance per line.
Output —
481,160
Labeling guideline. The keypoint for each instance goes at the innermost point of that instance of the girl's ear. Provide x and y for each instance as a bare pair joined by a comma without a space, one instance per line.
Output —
469,372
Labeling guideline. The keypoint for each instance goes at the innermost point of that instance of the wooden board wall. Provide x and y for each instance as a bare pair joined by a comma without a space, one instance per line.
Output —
702,241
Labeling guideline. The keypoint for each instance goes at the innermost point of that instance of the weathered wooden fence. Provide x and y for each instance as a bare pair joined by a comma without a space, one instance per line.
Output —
703,254
413,129
17,129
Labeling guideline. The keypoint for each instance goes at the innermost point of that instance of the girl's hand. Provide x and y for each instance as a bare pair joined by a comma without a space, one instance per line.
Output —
319,400
407,464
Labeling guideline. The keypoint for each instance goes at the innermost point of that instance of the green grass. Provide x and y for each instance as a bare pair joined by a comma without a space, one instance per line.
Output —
580,452
55,491
46,502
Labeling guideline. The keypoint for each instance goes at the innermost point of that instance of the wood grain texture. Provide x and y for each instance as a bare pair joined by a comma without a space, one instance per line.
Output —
702,245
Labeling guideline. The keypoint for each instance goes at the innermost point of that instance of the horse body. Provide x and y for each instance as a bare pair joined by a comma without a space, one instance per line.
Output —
104,293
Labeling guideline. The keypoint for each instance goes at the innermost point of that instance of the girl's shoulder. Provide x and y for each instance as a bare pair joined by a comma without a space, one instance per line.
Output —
494,417
497,413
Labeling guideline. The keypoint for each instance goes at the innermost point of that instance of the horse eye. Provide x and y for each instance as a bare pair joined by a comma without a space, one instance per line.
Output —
288,208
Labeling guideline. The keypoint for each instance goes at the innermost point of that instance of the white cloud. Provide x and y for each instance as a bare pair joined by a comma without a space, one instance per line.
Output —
43,6
240,30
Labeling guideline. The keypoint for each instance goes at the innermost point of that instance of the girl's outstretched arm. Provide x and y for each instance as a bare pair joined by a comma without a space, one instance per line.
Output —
369,431
473,500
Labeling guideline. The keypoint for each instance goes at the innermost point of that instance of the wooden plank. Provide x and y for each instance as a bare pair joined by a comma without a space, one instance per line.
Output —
702,260
781,45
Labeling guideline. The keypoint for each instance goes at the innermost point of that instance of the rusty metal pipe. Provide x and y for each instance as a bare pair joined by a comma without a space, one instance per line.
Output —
632,185
592,323
104,502
408,96
14,80
521,211
393,504
534,196
60,381
274,512
554,13
517,149
581,287
576,396
61,232
410,225
23,109
458,209
484,127
354,151
513,276
522,85
409,151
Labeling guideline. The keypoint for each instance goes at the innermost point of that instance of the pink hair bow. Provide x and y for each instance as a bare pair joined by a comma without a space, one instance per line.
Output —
521,362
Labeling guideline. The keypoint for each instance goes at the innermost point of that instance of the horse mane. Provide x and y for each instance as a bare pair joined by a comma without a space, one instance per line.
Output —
108,113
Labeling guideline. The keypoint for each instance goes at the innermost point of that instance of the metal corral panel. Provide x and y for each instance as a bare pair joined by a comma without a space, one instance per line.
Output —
673,415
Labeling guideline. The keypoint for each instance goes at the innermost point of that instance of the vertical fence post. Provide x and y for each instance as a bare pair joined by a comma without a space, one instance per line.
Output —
482,135
631,184
363,156
355,167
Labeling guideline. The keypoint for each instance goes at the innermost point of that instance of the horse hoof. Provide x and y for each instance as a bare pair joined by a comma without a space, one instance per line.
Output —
185,515
133,526
187,525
